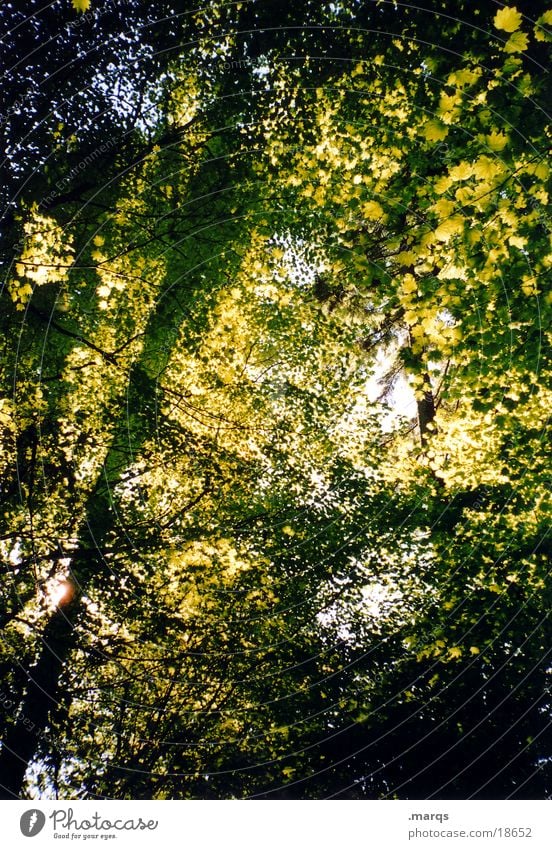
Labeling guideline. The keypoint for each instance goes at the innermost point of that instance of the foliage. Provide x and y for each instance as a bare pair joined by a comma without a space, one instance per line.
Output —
234,566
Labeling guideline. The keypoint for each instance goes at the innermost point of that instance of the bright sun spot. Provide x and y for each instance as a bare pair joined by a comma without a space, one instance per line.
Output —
59,591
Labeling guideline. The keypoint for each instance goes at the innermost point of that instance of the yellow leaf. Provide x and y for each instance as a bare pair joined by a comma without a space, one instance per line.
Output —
449,228
541,33
434,131
541,170
81,5
508,19
474,650
409,284
407,257
495,140
463,195
452,272
448,102
456,334
462,171
443,207
485,168
517,241
442,184
411,318
320,196
447,107
455,651
529,286
372,210
517,43
465,77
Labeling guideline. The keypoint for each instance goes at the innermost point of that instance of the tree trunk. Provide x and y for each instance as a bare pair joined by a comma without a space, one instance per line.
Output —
426,410
41,694
23,737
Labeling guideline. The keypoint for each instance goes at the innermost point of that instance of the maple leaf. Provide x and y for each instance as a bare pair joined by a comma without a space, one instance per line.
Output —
517,43
444,207
449,228
484,168
409,284
517,241
462,171
540,30
497,140
508,19
372,210
442,184
433,131
81,5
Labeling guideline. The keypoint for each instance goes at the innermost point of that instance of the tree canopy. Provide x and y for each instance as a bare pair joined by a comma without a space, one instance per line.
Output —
274,396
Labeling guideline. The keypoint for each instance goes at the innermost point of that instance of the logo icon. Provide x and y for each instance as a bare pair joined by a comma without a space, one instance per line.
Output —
32,822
